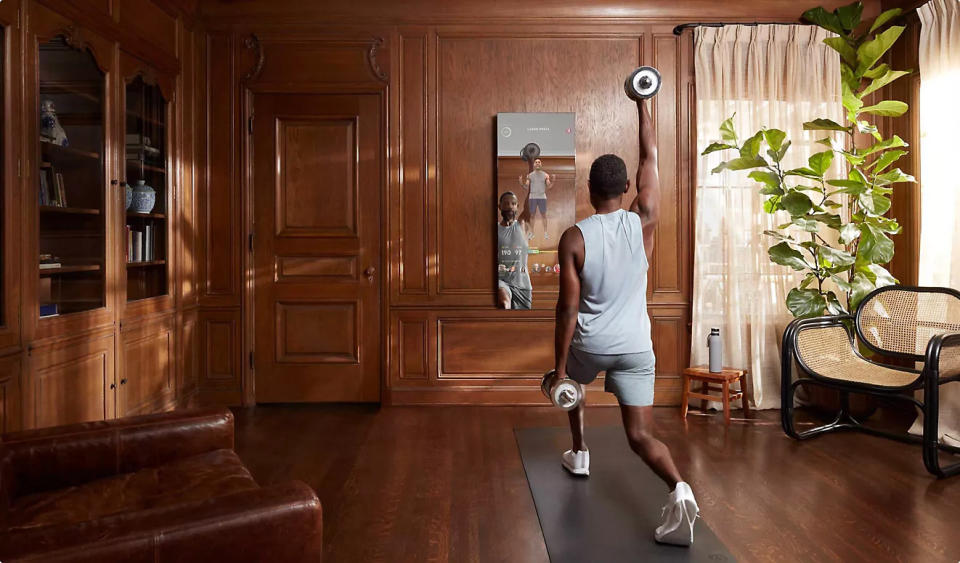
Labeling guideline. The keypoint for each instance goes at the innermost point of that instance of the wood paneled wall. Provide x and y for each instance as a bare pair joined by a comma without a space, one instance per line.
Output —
447,68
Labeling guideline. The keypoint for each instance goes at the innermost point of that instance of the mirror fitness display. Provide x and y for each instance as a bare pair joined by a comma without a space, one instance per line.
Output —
536,201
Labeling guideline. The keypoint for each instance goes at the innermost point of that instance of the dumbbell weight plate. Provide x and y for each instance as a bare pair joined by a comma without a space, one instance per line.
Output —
643,83
530,152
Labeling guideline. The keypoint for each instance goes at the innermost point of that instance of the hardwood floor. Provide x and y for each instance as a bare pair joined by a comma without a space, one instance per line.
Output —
447,484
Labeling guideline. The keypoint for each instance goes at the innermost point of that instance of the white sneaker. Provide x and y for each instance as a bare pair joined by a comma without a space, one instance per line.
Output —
577,462
679,515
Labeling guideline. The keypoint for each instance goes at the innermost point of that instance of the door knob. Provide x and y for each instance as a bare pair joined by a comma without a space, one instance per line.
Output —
369,272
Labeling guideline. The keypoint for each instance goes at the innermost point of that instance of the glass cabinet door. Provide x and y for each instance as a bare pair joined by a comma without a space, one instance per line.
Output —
70,187
146,191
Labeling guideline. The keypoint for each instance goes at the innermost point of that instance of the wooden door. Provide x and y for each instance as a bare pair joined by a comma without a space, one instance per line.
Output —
317,173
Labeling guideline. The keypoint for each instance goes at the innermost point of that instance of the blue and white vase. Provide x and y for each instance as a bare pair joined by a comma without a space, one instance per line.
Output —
144,197
128,195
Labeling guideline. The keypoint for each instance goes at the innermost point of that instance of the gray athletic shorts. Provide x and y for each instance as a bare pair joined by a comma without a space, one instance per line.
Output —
630,377
520,298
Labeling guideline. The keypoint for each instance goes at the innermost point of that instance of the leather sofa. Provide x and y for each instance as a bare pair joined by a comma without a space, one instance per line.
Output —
157,488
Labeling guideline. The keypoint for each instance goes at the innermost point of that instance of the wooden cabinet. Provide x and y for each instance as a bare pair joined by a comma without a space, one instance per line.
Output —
147,375
72,381
87,330
147,229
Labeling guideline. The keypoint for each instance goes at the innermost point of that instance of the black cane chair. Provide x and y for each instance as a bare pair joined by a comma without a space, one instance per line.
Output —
915,323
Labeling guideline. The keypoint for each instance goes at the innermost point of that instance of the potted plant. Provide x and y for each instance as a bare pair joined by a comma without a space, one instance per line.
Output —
839,269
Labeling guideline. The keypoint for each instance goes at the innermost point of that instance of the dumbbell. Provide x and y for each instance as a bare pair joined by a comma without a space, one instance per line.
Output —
566,394
530,152
643,83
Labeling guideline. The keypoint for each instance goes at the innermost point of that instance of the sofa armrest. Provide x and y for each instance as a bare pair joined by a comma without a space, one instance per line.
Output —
276,523
63,456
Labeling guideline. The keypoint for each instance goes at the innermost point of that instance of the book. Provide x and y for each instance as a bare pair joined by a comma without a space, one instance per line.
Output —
129,251
61,192
44,187
148,243
50,265
137,255
49,310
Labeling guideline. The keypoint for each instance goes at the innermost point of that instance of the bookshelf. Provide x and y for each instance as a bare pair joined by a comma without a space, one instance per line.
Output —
145,235
70,184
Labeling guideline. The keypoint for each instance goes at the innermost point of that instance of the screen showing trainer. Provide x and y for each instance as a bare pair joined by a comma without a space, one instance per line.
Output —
536,201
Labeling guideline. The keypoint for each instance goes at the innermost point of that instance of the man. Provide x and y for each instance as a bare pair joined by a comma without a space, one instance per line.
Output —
602,321
538,182
514,290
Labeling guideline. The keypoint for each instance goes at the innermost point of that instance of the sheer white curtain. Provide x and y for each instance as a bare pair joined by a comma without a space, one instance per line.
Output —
774,76
940,188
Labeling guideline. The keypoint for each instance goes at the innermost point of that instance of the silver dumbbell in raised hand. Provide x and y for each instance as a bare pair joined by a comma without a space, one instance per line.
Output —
643,83
564,393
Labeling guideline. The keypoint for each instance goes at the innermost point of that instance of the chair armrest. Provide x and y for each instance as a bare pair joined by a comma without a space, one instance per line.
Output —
943,355
276,523
58,457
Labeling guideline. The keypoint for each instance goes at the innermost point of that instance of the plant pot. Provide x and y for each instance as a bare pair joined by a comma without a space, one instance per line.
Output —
144,198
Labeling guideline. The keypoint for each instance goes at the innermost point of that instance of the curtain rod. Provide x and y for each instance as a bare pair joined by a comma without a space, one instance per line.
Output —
679,29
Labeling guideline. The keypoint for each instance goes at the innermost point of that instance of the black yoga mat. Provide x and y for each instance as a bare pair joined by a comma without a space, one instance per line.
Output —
609,516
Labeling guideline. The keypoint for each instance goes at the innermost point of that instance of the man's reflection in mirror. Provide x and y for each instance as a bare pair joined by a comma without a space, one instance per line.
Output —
513,288
537,182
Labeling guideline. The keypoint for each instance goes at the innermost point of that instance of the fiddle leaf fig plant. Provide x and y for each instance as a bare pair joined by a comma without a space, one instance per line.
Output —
812,198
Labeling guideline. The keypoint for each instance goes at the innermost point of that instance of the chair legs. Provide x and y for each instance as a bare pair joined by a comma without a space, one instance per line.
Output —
931,430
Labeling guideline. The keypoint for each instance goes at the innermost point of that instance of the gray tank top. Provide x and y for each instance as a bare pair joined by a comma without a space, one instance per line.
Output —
512,255
613,286
538,184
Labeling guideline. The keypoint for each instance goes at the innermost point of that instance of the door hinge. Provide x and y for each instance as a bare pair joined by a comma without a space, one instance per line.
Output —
251,359
250,125
250,242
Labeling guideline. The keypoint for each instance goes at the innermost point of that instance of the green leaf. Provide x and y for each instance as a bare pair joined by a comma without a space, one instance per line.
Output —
828,257
850,186
882,81
840,45
726,130
875,247
824,19
714,147
808,225
849,233
887,108
772,204
783,254
885,224
877,71
832,204
861,287
892,177
891,143
850,15
833,303
740,164
884,18
765,177
783,151
820,162
880,276
807,280
802,172
823,125
870,52
867,127
874,203
778,235
804,303
851,102
751,147
829,219
796,203
854,160
886,159
774,138
857,176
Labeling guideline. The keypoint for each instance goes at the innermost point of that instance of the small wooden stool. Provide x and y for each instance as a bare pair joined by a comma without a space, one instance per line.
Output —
724,378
